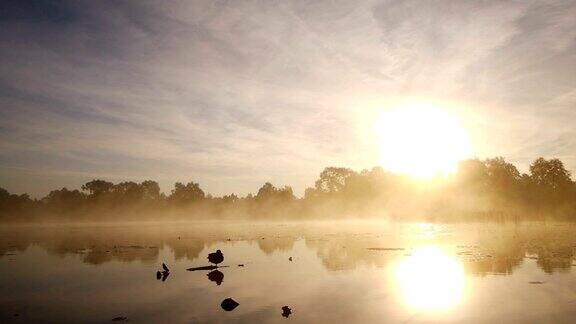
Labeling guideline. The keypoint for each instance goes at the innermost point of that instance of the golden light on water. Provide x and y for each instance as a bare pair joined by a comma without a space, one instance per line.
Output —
421,139
430,279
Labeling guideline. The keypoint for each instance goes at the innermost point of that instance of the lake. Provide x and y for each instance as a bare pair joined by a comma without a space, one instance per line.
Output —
325,272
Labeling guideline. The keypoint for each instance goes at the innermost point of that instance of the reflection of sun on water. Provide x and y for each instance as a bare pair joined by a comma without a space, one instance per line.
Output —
421,140
430,279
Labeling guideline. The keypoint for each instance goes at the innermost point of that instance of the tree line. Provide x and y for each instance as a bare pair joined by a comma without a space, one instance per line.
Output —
492,189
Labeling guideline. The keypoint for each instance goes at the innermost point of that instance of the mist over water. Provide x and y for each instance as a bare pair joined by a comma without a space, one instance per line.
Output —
352,271
490,189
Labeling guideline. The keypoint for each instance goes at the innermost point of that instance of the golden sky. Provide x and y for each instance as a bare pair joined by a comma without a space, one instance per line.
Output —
231,94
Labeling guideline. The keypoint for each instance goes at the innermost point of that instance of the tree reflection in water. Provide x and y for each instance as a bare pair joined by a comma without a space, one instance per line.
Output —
480,248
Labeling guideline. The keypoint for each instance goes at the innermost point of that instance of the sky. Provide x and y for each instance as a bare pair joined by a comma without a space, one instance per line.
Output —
232,94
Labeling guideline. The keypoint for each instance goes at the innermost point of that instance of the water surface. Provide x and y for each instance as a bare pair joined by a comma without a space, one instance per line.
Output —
351,272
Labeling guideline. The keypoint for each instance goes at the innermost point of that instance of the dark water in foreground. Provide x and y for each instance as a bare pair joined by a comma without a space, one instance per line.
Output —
341,272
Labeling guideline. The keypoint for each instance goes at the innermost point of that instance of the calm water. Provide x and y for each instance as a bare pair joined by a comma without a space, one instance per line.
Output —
345,272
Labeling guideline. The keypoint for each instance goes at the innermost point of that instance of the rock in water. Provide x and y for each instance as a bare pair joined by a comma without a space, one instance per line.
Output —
229,304
158,275
286,311
120,319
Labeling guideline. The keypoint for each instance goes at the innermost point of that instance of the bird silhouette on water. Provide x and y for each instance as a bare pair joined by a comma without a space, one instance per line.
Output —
164,273
216,257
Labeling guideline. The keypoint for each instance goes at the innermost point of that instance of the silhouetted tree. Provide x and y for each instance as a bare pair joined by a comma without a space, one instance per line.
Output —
4,197
64,200
333,179
229,198
97,188
501,174
269,192
479,187
551,182
550,174
128,192
368,184
12,205
183,194
151,190
266,191
503,180
472,176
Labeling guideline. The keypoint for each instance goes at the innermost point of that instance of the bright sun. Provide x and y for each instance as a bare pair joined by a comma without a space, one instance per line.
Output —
421,140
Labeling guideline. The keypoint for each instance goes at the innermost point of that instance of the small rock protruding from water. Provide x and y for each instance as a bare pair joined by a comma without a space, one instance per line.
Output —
241,265
158,275
120,319
290,259
229,304
286,311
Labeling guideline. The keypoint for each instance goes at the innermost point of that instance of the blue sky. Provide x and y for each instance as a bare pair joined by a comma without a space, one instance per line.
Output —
235,93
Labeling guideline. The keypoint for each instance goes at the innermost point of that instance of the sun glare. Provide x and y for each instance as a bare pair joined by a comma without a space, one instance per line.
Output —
421,140
429,279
